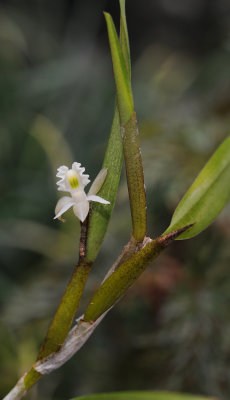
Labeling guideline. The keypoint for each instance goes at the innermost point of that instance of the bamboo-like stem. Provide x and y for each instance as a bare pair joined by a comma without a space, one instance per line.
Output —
131,146
25,383
87,323
74,341
64,316
66,311
135,177
80,333
126,274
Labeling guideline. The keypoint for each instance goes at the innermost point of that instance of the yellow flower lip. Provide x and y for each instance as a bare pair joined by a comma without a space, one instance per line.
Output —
72,179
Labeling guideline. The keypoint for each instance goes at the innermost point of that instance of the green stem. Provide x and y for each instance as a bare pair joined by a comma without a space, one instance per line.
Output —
135,178
31,378
66,311
69,304
133,161
126,274
121,279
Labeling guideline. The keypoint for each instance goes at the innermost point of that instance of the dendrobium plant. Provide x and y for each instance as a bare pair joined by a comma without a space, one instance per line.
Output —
74,181
207,196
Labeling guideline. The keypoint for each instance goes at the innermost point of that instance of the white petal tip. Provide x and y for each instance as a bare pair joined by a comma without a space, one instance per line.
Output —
98,182
60,219
98,199
81,210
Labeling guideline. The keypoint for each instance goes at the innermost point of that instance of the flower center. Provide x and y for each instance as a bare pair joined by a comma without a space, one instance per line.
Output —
72,179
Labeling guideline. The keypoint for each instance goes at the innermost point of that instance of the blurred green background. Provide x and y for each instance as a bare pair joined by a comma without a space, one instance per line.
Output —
172,330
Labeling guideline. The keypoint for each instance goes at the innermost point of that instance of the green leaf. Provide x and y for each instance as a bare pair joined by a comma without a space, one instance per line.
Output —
133,161
101,213
207,196
123,87
143,396
124,39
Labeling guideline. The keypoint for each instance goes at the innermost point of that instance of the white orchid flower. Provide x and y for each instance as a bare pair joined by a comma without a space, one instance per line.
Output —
74,181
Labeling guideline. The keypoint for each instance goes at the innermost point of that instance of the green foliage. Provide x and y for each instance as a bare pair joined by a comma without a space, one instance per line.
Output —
143,396
100,215
124,39
207,196
181,145
124,93
133,162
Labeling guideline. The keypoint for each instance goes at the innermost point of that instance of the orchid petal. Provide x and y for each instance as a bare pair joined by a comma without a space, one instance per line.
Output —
73,181
63,204
62,171
81,210
83,178
98,182
98,199
79,196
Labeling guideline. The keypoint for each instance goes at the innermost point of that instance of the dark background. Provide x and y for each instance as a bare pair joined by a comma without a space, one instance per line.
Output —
172,330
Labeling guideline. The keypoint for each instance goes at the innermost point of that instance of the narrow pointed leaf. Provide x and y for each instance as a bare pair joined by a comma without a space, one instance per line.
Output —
143,396
123,88
101,214
133,161
207,196
124,39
